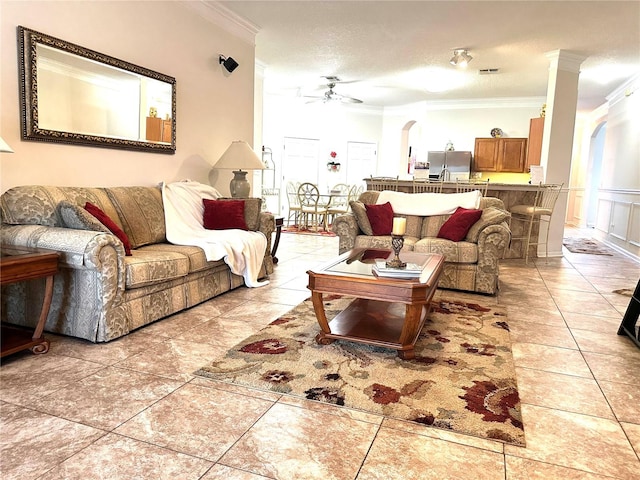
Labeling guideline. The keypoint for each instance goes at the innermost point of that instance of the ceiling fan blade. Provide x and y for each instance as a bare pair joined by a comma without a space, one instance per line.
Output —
344,99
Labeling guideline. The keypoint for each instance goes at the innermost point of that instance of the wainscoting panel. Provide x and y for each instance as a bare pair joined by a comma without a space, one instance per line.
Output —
618,221
634,225
604,215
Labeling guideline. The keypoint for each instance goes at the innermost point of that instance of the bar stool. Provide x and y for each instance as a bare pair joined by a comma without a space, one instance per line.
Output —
540,211
467,186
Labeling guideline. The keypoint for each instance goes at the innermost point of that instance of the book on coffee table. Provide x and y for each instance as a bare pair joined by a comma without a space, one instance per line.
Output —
412,270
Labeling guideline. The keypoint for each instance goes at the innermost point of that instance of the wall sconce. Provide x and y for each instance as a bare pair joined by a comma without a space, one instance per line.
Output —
461,58
228,63
239,156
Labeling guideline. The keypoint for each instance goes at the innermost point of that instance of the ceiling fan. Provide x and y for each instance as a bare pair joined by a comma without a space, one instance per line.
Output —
331,95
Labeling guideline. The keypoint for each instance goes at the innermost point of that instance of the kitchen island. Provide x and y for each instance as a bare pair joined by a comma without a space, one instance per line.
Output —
510,193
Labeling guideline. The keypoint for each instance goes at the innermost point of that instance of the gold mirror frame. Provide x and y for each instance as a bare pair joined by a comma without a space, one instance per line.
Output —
28,41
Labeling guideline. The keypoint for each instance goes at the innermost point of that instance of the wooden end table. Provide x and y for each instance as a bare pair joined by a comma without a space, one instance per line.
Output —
279,222
376,316
18,264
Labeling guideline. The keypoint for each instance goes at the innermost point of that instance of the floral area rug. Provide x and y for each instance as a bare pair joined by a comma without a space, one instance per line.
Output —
585,245
308,231
462,378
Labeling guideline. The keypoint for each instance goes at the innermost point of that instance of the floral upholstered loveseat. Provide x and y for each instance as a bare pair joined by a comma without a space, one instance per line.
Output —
99,293
470,264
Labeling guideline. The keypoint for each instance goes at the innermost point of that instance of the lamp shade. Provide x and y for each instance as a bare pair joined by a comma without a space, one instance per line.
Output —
4,147
239,156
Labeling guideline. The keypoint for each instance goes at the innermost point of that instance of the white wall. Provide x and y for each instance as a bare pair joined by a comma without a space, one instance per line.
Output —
618,209
332,124
213,108
459,122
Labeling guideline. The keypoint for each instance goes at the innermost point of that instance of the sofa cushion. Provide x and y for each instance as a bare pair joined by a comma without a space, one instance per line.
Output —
431,225
74,216
383,242
223,215
360,213
148,266
454,252
490,216
195,255
38,204
381,218
141,212
110,224
458,224
252,210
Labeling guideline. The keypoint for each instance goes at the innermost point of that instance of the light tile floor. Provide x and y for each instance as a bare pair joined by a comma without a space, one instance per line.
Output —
131,409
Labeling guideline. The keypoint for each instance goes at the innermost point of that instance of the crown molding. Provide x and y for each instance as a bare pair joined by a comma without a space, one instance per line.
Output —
625,90
565,60
224,18
468,104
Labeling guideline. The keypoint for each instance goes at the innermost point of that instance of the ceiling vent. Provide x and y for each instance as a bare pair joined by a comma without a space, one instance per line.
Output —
488,71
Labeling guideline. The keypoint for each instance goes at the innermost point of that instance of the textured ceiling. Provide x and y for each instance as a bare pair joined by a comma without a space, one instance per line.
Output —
394,52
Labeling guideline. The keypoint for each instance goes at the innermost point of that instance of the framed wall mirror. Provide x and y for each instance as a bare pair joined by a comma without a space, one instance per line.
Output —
74,95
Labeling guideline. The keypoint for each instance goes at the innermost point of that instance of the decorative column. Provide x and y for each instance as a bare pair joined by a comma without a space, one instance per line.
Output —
557,139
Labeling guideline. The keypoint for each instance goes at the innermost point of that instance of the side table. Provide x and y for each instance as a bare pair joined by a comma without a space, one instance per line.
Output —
18,264
276,242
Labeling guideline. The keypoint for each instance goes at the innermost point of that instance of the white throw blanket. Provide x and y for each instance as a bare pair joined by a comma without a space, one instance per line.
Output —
425,204
242,250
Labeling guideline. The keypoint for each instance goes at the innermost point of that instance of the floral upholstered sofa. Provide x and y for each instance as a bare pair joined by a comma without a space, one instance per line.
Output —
100,293
470,264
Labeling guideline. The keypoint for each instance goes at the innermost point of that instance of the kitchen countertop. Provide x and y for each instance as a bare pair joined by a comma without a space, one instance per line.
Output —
492,185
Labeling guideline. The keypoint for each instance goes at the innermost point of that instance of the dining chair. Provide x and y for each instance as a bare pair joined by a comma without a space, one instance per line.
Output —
422,185
537,213
339,201
311,205
462,186
294,203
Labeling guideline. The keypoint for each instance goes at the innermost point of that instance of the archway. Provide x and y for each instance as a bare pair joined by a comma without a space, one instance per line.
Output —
594,170
409,145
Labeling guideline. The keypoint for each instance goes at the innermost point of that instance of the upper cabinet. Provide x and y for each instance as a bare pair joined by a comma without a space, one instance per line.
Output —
534,149
500,155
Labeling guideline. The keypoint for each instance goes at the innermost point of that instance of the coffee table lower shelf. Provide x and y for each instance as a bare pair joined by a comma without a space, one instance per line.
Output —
374,322
15,339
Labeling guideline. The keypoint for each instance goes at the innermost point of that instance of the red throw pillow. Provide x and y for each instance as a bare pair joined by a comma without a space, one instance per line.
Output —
381,218
458,224
223,214
110,224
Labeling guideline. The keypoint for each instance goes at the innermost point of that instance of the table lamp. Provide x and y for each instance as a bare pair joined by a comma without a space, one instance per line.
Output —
239,157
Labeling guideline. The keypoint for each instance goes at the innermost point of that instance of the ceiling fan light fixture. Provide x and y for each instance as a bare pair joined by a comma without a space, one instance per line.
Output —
461,58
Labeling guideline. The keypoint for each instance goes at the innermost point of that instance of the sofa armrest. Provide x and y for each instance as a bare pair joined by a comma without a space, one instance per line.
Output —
346,227
79,249
492,243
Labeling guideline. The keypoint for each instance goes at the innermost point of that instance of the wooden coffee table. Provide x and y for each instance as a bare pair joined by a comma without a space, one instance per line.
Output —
19,264
387,312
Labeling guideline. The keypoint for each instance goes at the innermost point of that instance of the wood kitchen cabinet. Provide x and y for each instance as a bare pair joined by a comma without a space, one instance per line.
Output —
500,155
534,145
158,130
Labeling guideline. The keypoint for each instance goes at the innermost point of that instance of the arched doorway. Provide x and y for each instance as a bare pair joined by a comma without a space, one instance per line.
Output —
409,145
594,170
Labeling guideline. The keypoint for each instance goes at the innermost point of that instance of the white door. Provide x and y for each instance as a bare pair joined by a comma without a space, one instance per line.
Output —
300,163
361,162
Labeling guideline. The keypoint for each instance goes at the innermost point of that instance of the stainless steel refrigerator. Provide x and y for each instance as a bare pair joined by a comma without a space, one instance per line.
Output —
450,166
